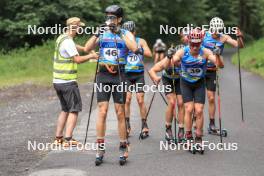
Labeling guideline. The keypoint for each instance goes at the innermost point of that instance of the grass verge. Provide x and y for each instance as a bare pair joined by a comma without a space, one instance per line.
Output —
252,57
34,66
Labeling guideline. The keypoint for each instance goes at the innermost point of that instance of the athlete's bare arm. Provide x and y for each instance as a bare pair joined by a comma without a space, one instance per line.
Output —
216,59
235,43
177,56
155,69
144,44
130,41
91,44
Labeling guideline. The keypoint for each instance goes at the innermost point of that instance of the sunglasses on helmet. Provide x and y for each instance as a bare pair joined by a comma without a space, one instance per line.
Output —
195,44
110,17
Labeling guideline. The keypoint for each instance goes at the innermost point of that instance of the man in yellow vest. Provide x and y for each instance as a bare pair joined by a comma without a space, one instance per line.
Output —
66,59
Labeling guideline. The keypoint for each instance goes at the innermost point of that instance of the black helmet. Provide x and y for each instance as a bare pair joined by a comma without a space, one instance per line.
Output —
129,25
115,9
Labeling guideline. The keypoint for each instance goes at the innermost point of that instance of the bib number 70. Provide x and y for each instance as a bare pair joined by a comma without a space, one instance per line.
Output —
133,59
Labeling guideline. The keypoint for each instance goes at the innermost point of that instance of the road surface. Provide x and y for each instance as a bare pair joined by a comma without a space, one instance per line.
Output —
146,158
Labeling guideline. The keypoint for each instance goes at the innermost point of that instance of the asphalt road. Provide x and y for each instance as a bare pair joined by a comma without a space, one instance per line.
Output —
146,158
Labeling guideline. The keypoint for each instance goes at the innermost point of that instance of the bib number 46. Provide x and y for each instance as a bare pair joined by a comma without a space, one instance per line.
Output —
111,52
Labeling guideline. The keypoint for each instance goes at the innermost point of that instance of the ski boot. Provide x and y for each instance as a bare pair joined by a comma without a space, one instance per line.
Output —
168,135
128,127
100,152
144,130
123,149
189,142
198,145
181,135
216,131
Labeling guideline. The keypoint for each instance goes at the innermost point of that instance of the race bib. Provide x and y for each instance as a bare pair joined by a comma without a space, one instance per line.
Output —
110,54
133,59
195,71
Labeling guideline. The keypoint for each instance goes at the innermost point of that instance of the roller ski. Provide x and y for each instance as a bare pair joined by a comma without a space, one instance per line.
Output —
123,149
181,138
198,145
168,135
100,154
216,131
128,127
189,143
144,130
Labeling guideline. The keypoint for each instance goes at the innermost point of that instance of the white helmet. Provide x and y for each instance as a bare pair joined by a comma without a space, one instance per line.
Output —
178,47
158,41
216,24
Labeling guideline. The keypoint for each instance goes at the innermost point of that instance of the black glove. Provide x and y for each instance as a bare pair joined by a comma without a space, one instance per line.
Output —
139,51
117,30
100,30
171,51
217,51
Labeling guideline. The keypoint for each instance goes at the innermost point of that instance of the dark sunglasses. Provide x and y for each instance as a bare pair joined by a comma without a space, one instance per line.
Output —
110,17
195,44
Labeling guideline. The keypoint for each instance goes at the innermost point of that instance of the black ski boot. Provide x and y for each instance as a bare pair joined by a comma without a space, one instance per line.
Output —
100,152
144,130
123,149
181,135
216,131
168,134
128,127
198,145
190,142
211,127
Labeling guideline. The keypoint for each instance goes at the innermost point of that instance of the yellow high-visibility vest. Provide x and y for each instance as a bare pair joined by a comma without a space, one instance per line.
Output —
63,68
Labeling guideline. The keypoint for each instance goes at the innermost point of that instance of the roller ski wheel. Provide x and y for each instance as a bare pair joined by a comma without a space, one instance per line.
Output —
122,161
99,158
144,134
192,149
169,136
175,141
190,144
217,132
180,135
123,149
98,161
198,145
199,148
144,130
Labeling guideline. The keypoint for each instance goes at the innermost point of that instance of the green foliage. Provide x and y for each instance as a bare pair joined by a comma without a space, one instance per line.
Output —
16,15
35,66
252,57
24,60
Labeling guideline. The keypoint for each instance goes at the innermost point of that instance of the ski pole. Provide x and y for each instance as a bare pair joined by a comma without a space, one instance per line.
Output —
91,102
150,104
219,106
174,106
145,68
120,81
240,81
